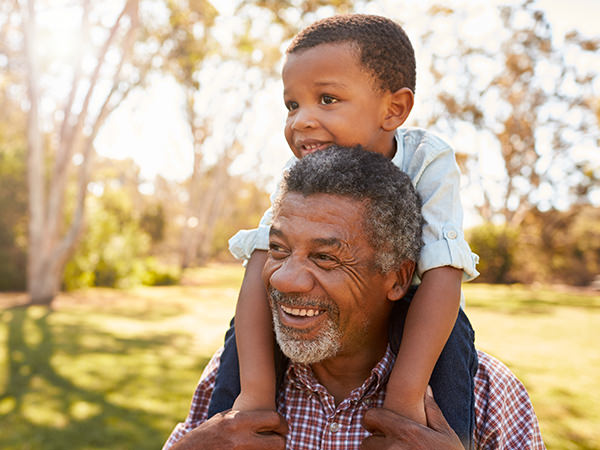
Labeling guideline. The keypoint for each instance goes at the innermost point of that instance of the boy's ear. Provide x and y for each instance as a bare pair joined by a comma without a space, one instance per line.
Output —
402,280
399,107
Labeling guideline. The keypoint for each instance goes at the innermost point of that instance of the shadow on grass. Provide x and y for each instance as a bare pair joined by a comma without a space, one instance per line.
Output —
41,408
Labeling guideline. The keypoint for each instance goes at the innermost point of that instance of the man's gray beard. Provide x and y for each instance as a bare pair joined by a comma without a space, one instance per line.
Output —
292,342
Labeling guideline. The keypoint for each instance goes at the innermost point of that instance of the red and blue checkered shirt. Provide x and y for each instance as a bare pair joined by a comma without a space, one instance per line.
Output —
504,416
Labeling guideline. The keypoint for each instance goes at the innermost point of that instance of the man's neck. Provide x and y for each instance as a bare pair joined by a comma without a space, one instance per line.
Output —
344,373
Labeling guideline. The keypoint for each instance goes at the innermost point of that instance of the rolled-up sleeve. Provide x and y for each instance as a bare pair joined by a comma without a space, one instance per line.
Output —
435,174
244,242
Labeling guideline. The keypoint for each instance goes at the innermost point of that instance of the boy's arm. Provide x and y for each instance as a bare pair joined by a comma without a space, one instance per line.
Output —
254,339
431,165
429,322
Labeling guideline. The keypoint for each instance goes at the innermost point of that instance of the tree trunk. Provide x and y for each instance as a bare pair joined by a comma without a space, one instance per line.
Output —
50,241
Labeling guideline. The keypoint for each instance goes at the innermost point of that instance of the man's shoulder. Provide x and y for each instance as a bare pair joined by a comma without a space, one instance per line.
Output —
496,377
505,417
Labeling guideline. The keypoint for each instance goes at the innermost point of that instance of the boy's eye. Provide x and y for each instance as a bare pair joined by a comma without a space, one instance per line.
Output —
291,105
328,100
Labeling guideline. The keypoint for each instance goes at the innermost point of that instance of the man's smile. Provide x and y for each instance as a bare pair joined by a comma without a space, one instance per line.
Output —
302,320
310,312
300,313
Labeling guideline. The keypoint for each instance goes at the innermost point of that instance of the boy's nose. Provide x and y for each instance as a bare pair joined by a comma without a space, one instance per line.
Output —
292,277
304,118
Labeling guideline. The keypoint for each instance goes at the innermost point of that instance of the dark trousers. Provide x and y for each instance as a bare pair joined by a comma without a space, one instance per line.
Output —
451,380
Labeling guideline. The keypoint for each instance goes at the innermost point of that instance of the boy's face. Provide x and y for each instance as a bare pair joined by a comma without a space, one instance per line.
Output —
332,99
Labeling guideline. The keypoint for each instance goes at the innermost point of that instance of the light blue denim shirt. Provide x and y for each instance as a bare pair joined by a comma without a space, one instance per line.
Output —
431,165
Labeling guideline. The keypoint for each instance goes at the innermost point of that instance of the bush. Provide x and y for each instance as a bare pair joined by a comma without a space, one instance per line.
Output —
496,246
156,274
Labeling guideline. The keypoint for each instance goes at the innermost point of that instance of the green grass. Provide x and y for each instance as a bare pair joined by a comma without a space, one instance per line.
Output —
550,339
108,369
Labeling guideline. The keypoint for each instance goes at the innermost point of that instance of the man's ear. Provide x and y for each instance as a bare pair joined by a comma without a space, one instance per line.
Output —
402,279
398,109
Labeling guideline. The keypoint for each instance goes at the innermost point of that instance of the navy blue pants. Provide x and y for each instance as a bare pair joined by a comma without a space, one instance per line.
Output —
451,380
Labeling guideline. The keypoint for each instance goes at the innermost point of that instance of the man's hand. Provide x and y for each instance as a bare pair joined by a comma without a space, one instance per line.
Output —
393,431
241,430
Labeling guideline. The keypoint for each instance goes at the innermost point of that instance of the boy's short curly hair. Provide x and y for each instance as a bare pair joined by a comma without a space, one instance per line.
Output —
385,50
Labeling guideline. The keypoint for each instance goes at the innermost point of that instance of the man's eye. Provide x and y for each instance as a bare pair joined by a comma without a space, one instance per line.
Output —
328,100
325,260
291,105
276,251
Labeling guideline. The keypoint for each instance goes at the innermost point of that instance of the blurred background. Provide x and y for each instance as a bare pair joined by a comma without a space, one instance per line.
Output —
137,136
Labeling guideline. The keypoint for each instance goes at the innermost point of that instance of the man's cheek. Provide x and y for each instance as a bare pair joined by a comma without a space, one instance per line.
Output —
270,267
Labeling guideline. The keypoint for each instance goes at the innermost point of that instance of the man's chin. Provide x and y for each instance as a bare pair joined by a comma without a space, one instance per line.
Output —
308,351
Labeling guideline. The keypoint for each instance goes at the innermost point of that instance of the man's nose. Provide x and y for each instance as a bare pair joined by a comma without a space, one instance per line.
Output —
292,277
304,118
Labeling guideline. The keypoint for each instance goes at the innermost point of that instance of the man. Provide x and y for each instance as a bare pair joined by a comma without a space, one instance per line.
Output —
345,235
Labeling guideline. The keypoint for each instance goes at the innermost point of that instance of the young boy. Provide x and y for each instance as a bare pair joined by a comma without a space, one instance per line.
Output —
350,80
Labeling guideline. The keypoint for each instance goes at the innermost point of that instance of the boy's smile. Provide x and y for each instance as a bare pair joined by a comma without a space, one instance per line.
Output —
333,99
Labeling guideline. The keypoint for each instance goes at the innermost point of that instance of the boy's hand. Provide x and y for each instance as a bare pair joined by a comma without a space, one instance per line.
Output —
246,402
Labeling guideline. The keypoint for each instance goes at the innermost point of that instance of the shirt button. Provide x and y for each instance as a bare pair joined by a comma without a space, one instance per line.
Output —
334,427
367,401
451,234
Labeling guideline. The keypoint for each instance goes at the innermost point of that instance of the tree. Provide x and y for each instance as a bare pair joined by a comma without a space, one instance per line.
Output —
126,50
249,51
50,242
531,102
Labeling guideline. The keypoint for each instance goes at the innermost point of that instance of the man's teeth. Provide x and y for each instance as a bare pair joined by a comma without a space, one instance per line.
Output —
300,312
311,146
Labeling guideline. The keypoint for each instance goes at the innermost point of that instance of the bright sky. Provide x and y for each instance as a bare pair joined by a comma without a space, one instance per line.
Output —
150,126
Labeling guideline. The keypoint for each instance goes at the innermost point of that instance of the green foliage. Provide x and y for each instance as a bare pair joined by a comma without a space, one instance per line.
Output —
496,246
561,246
114,248
13,215
248,204
552,247
157,274
153,222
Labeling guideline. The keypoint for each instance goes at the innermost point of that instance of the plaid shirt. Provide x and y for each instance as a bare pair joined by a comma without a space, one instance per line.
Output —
504,415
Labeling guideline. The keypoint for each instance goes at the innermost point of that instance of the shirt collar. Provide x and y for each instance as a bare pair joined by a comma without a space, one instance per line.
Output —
398,157
303,377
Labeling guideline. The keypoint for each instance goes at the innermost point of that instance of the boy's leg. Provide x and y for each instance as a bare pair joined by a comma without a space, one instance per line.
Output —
227,383
452,377
452,380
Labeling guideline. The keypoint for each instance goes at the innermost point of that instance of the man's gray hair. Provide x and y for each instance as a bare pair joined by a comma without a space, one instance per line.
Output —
393,219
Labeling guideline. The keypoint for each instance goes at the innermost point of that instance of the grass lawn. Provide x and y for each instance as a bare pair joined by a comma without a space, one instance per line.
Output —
550,340
107,369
